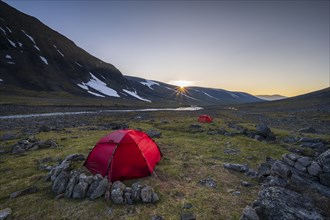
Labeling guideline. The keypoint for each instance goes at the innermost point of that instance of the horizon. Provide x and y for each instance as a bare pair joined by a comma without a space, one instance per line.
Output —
262,48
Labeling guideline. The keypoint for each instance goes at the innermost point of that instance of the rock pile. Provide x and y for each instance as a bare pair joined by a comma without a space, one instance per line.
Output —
32,143
278,200
70,183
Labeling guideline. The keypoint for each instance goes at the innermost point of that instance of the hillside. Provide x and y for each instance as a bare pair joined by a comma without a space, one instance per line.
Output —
38,62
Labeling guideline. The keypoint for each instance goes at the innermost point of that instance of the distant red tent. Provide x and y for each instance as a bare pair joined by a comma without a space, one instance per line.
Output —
204,119
124,154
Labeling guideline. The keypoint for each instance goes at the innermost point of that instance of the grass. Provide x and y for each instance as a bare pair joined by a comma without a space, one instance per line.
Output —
189,156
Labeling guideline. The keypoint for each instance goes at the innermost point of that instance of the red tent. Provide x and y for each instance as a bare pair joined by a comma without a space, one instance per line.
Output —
124,154
204,119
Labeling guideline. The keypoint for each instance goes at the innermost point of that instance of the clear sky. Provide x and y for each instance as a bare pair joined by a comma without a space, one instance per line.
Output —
259,47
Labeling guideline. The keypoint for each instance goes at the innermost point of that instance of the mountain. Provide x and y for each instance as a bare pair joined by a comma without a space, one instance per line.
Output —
35,59
271,97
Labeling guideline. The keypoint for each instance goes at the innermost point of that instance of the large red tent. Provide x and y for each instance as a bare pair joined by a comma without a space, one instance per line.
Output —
124,154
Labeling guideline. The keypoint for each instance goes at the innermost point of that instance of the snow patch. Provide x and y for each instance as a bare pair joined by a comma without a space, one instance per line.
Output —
8,56
78,64
134,94
35,46
234,96
149,83
20,44
96,94
98,85
12,43
1,80
31,38
210,96
9,62
9,29
44,60
59,51
3,30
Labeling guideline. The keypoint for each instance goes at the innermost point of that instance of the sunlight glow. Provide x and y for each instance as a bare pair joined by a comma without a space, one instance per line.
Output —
181,83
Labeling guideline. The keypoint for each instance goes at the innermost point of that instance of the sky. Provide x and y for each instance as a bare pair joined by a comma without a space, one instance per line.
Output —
259,47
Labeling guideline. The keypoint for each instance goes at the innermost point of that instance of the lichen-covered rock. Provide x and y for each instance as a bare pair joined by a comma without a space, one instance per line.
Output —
80,190
74,177
100,190
280,169
146,194
249,214
281,203
236,167
314,169
136,192
61,182
117,196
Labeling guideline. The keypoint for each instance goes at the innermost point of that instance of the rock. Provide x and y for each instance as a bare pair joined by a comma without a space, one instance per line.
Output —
5,213
231,151
128,195
44,128
281,203
187,206
80,190
236,167
89,180
107,194
187,216
280,169
307,130
258,137
209,182
23,192
236,193
263,130
293,157
100,190
286,160
117,196
98,177
249,214
118,185
146,194
74,177
75,157
8,136
195,126
155,197
245,183
47,144
154,134
136,191
300,167
264,170
59,196
92,188
251,173
313,145
61,182
324,161
305,161
314,169
275,181
325,179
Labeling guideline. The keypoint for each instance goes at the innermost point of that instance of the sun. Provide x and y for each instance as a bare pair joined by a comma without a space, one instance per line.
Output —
181,83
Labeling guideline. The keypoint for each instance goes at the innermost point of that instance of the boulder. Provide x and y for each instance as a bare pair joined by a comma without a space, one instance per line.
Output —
100,190
249,214
92,188
146,194
314,169
61,182
154,134
305,161
74,177
236,167
75,157
5,213
264,170
117,196
209,182
307,130
281,203
300,167
23,192
136,191
80,190
324,161
287,160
